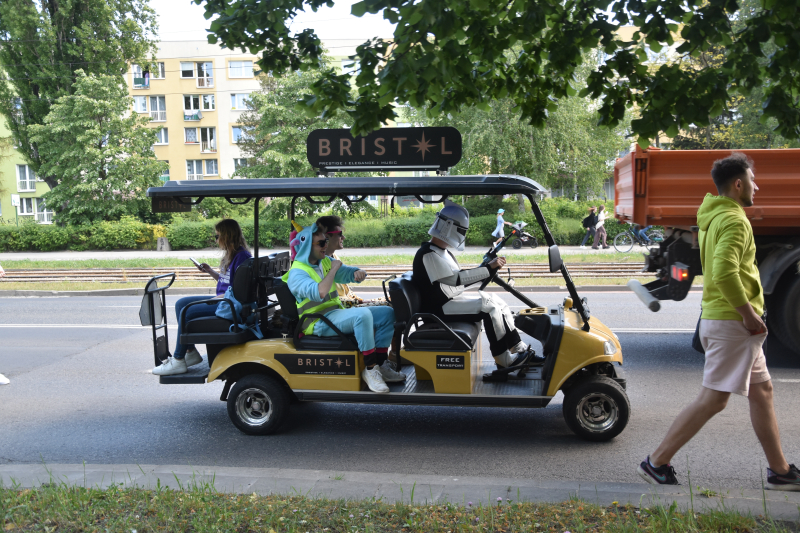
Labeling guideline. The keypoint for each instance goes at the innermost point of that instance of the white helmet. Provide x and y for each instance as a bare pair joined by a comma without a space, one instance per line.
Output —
451,225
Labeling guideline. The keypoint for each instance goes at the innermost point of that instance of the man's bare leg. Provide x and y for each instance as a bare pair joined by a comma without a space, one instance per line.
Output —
688,423
765,424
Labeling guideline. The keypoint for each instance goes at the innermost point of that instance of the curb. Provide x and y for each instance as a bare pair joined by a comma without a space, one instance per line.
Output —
397,487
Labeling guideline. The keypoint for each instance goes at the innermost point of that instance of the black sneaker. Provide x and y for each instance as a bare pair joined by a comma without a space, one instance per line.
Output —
663,475
788,481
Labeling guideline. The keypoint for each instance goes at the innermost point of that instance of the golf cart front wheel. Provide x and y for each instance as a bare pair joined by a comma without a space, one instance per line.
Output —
516,244
257,405
596,409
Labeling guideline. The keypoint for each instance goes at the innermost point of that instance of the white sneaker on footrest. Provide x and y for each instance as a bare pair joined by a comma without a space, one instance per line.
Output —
171,367
193,357
519,347
390,375
374,379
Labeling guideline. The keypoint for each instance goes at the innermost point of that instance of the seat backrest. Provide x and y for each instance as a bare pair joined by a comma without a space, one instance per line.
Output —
244,284
286,299
405,297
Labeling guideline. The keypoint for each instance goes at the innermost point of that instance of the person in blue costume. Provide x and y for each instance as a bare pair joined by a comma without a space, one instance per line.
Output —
312,280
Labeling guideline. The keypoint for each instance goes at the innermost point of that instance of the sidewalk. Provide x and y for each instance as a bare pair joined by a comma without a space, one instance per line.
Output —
397,487
215,252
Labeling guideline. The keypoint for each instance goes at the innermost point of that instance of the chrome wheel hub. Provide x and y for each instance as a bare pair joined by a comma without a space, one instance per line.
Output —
253,407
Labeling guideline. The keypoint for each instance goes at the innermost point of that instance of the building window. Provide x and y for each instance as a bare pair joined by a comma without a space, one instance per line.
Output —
25,206
162,136
205,75
239,163
43,216
208,102
211,167
240,101
208,139
158,109
348,66
236,134
190,135
165,174
26,179
141,77
194,169
191,107
140,104
187,69
157,71
240,69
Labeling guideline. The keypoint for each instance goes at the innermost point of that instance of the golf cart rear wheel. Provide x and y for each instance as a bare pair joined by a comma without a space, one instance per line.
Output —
257,405
516,244
596,409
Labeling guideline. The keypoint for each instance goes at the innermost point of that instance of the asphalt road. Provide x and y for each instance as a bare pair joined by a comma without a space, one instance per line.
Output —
80,391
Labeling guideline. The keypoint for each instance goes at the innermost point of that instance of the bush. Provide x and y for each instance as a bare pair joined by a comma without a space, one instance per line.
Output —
191,235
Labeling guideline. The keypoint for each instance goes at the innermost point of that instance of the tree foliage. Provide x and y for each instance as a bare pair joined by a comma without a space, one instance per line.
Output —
45,43
446,54
101,160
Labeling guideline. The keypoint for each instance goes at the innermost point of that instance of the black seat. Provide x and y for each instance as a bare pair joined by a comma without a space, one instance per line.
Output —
288,304
431,332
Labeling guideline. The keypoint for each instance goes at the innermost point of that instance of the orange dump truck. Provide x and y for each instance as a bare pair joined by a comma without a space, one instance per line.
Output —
666,187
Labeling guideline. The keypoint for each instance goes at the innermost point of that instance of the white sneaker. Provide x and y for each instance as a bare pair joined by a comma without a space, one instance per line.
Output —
583,247
389,374
4,380
374,379
171,367
519,347
193,357
504,359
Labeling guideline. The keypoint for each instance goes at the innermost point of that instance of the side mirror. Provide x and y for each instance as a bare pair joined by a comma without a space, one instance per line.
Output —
555,259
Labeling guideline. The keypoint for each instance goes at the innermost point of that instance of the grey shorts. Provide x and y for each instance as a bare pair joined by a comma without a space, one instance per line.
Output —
734,357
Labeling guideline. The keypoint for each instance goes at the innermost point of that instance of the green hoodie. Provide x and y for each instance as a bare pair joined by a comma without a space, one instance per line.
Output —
728,256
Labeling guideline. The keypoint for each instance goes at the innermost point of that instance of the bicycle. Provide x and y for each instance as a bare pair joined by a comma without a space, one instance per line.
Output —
624,241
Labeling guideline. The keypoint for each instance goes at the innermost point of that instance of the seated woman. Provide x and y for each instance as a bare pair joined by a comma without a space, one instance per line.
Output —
229,238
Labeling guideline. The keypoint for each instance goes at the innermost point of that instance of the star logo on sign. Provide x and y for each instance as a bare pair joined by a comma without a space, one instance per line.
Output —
423,146
339,362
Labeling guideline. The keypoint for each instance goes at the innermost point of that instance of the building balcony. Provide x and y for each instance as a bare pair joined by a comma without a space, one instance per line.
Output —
194,176
192,116
141,83
205,83
208,146
45,217
158,116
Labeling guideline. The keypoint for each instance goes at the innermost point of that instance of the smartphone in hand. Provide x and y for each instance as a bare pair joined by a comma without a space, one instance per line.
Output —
193,260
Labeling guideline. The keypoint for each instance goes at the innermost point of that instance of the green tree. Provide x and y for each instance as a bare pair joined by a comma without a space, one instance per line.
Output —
45,43
101,159
446,54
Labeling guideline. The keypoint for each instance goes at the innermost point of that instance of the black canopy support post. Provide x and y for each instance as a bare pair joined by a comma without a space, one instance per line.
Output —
548,237
292,209
255,235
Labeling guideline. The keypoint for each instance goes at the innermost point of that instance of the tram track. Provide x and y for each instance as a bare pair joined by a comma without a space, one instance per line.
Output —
123,275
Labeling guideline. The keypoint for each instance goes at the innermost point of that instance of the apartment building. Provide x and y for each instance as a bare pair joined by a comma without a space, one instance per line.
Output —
20,189
194,95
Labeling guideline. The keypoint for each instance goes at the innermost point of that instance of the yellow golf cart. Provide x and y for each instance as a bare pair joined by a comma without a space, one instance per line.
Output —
443,360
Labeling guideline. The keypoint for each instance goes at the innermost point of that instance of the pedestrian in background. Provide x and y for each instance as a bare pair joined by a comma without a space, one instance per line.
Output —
732,330
600,229
589,225
498,231
2,272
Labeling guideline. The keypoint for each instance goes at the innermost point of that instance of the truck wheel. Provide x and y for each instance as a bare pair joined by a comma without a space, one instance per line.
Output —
623,242
596,408
516,244
784,313
257,405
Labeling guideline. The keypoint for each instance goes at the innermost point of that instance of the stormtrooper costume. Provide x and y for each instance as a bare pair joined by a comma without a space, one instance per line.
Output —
442,282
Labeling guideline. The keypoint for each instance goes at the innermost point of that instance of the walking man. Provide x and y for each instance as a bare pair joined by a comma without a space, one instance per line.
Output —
732,330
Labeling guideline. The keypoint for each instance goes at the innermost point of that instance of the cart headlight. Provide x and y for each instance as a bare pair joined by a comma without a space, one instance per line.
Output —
609,348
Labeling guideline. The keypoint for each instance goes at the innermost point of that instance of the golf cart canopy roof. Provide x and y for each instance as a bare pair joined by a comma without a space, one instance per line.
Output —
495,184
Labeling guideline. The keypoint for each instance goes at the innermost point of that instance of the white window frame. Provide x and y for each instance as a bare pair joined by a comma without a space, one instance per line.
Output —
165,174
234,138
160,114
193,99
240,98
142,74
160,72
216,167
206,81
22,208
209,145
241,70
349,66
162,136
43,216
239,162
182,69
136,107
186,137
26,177
193,175
207,99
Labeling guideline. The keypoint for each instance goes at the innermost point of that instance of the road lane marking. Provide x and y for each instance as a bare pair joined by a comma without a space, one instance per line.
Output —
788,380
653,330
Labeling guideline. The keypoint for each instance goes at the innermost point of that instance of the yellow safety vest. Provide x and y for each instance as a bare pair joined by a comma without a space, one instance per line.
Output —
308,305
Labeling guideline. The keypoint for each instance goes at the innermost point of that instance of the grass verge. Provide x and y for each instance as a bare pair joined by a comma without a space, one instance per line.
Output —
62,508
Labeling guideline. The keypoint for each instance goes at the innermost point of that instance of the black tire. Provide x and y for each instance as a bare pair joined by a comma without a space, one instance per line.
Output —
246,402
533,242
783,313
516,244
602,395
623,242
